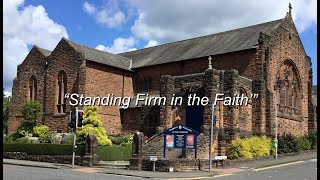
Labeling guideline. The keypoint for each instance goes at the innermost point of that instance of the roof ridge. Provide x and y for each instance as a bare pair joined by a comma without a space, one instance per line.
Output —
43,51
201,36
74,43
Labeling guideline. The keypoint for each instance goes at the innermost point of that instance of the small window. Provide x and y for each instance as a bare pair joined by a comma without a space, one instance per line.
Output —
61,91
32,89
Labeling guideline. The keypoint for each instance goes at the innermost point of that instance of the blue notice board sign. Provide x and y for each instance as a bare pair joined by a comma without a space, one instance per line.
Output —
180,136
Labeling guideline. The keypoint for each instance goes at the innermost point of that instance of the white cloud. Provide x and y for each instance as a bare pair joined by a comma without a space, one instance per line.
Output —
151,44
119,45
109,15
166,20
88,8
23,26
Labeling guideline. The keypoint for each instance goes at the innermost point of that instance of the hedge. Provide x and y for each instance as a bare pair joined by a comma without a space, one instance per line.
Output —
114,153
43,149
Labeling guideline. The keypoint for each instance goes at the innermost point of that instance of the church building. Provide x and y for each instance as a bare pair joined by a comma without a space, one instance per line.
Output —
267,59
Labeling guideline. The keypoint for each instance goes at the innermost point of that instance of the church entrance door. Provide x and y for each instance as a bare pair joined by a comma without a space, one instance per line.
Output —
194,117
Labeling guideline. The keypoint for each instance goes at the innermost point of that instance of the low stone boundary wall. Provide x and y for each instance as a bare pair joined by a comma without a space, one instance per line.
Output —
43,158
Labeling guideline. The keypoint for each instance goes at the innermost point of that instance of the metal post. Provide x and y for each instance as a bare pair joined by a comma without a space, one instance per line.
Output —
154,166
276,124
74,138
211,138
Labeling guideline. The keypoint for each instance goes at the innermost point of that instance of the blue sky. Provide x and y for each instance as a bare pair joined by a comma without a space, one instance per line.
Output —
123,25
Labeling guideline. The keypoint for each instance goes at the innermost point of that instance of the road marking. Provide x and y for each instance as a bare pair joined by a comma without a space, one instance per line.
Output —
275,166
204,177
221,175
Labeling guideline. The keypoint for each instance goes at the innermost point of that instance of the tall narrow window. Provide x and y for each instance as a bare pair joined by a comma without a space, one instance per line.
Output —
32,89
61,91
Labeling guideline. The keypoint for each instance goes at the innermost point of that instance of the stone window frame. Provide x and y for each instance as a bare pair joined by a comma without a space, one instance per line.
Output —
61,90
32,88
288,90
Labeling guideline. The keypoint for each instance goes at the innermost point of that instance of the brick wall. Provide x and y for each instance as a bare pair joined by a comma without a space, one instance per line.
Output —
102,80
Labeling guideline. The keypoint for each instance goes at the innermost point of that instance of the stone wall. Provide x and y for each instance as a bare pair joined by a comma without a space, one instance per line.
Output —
285,44
43,158
33,65
64,58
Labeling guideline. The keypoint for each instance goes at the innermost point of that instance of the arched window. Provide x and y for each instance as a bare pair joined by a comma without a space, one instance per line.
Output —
61,91
32,89
288,91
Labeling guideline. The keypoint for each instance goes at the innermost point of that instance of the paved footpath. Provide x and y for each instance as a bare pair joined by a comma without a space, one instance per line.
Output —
217,172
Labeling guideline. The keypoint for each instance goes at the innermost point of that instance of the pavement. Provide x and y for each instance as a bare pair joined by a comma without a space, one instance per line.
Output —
243,167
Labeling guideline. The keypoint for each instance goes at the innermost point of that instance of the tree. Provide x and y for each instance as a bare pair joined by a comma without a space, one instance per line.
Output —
92,125
6,105
31,113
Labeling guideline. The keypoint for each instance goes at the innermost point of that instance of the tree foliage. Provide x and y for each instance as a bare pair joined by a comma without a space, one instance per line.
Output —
92,125
31,113
6,105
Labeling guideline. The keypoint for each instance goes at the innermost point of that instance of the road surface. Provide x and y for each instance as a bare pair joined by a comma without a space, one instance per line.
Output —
298,170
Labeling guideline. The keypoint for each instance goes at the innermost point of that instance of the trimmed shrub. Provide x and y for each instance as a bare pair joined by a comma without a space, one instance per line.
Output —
43,149
287,143
303,143
114,153
92,125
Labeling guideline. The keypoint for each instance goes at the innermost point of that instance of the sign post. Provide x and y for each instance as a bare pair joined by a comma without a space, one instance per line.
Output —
74,138
182,137
276,125
153,159
211,138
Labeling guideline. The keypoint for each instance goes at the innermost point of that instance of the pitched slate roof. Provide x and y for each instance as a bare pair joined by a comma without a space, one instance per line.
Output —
219,43
102,56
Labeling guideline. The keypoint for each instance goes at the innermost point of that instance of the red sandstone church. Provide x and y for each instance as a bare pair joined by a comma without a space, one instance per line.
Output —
266,59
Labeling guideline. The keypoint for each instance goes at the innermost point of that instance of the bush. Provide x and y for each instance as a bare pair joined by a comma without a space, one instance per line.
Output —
40,130
56,139
7,139
260,146
114,153
247,148
67,139
303,143
92,125
43,133
24,140
31,113
287,143
43,149
312,137
121,139
239,149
